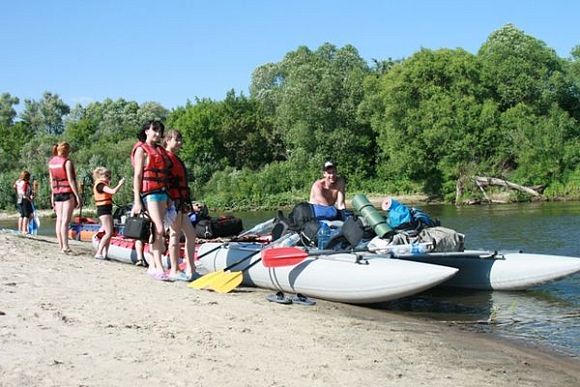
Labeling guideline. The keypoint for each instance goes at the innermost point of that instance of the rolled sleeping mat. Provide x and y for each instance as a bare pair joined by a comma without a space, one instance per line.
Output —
373,217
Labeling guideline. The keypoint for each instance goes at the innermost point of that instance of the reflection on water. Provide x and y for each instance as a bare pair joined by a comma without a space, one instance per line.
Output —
547,314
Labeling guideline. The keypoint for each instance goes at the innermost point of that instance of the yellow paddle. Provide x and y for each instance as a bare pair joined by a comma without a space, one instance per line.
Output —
226,282
204,281
208,279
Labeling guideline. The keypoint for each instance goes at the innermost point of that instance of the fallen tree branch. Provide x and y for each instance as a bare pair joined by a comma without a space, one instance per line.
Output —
483,181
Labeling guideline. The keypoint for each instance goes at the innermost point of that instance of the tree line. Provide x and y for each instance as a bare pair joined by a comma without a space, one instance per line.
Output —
415,125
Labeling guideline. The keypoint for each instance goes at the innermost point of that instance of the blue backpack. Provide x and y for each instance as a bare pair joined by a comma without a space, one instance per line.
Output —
400,217
422,219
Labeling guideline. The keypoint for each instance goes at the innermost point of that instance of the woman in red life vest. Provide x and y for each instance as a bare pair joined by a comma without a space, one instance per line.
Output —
103,194
24,197
181,197
65,196
151,176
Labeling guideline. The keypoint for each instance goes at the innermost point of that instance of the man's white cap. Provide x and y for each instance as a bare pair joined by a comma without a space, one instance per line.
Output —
328,164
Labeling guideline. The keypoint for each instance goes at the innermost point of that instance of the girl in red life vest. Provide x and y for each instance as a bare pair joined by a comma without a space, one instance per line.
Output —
151,175
103,194
65,197
24,196
179,193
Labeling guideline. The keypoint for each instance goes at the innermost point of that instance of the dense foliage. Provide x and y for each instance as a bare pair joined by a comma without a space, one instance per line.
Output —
414,125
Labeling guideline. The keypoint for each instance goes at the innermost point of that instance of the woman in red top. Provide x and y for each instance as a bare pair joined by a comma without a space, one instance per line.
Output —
151,175
65,197
180,195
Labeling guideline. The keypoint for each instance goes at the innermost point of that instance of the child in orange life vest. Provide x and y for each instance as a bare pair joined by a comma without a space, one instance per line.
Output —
103,194
181,197
65,196
24,196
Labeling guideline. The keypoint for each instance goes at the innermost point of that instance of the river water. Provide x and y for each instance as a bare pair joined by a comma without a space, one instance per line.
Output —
546,315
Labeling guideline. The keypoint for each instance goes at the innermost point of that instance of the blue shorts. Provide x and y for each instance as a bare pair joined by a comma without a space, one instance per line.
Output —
156,197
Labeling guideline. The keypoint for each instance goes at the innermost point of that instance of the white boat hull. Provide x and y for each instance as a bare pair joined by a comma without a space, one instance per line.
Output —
501,271
336,277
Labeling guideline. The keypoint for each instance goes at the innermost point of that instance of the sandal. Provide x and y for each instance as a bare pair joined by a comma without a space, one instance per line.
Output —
180,276
159,275
302,300
280,298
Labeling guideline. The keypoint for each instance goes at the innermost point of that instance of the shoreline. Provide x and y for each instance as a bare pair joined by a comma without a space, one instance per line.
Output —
77,321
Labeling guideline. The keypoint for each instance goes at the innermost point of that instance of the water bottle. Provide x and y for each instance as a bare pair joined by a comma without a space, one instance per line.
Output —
421,248
323,235
289,241
416,249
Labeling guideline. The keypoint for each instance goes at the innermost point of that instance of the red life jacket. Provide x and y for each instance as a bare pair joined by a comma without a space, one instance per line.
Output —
156,173
104,198
178,189
57,170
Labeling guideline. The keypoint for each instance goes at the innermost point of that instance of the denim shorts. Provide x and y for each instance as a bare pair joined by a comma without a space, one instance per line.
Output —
156,197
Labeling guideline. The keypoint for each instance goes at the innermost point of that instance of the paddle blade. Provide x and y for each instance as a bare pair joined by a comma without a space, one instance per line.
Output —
283,256
205,281
227,282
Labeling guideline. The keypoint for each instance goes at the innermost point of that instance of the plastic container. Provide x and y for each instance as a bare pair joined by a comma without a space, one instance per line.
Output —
412,249
323,235
290,241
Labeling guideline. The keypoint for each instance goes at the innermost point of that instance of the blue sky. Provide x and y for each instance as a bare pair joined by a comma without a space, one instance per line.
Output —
171,51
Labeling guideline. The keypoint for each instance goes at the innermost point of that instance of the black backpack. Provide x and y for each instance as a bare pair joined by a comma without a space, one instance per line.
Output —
301,214
224,226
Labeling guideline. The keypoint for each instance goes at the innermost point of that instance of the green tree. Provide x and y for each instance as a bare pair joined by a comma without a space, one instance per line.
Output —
46,115
202,152
313,97
7,111
432,120
517,68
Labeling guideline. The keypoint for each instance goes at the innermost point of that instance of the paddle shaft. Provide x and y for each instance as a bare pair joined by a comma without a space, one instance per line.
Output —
230,281
330,252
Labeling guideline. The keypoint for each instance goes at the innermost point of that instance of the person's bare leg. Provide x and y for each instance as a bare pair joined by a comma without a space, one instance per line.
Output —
157,213
66,216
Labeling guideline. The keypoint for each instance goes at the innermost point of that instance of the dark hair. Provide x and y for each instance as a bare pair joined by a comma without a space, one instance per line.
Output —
152,124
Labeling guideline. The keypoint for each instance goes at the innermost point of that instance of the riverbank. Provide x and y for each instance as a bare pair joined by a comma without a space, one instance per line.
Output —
73,320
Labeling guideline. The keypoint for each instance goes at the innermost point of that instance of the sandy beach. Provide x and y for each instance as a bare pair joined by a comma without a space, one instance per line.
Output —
75,321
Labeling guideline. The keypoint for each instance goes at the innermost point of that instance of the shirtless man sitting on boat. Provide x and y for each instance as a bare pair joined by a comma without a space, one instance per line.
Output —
327,195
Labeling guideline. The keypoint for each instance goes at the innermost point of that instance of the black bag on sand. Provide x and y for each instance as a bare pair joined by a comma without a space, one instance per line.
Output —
138,227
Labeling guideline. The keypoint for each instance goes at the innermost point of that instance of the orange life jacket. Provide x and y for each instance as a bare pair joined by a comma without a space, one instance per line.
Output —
57,170
102,198
156,173
178,189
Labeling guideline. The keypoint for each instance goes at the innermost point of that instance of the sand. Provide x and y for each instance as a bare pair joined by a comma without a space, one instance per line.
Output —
75,321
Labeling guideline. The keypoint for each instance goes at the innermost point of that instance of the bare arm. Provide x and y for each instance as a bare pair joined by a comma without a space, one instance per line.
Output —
113,191
51,194
139,158
70,176
340,198
316,196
